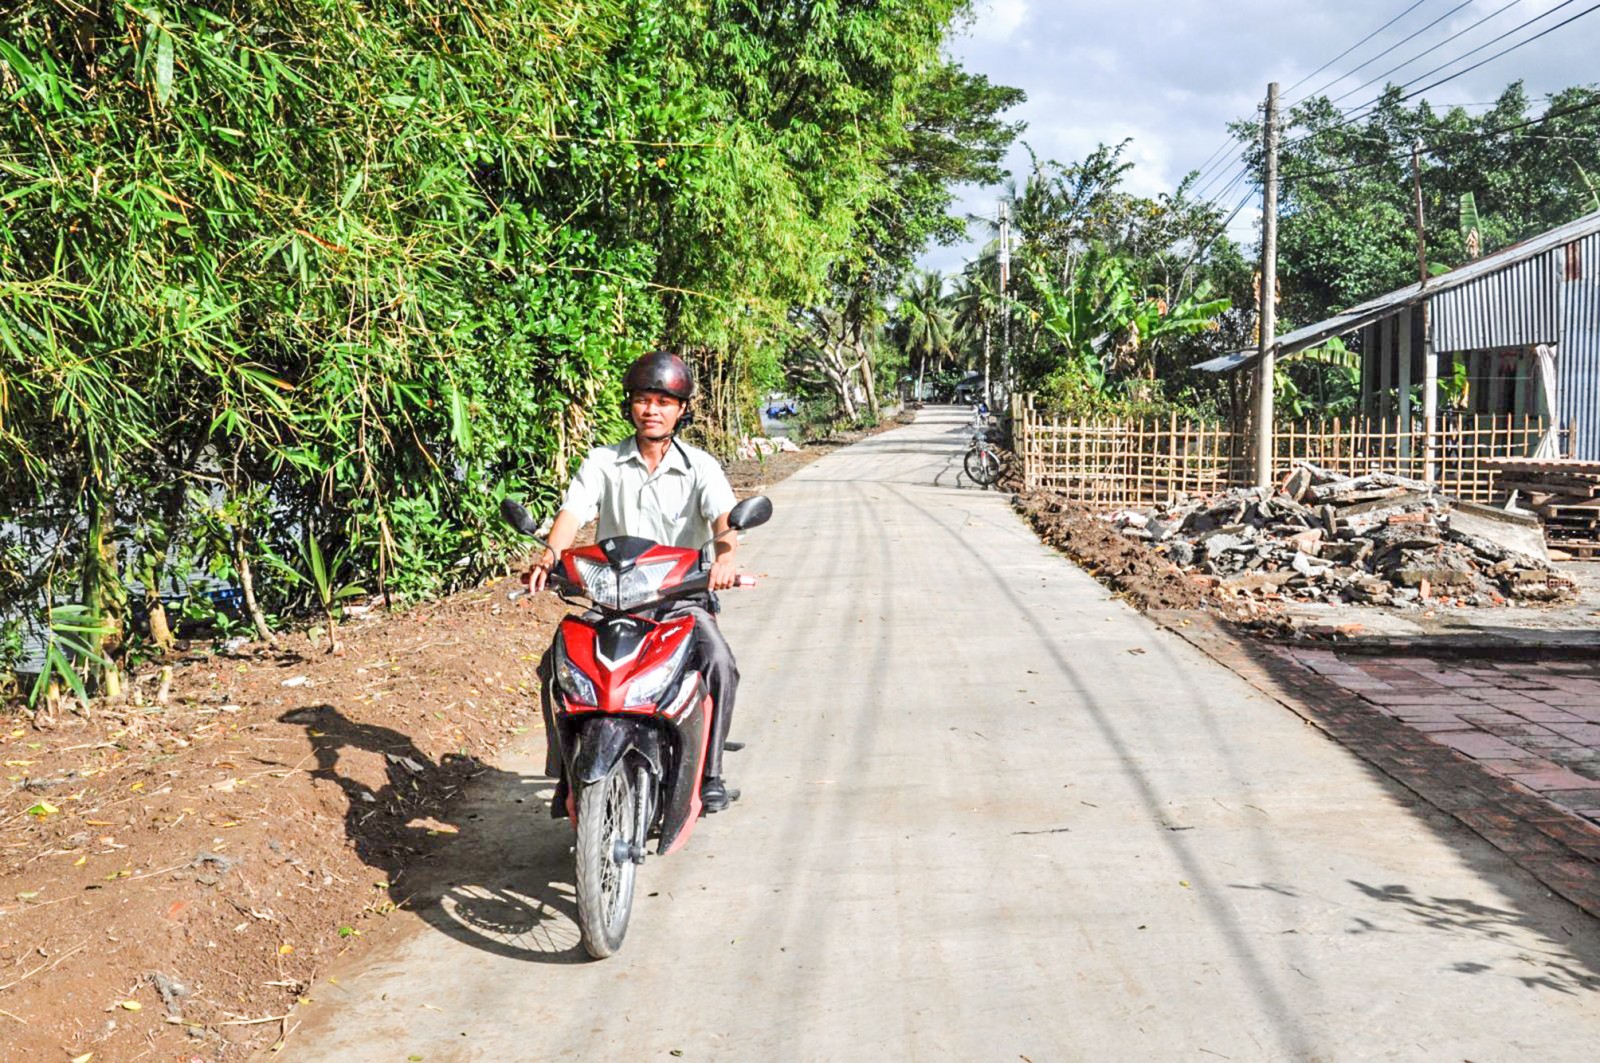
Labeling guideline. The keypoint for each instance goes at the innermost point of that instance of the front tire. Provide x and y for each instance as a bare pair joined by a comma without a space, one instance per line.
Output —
608,819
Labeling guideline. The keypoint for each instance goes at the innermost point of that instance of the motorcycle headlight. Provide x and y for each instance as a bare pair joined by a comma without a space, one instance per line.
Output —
643,582
649,688
577,686
599,581
639,584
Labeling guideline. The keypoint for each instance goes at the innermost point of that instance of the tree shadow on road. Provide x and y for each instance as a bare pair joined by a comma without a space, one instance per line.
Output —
497,875
1461,917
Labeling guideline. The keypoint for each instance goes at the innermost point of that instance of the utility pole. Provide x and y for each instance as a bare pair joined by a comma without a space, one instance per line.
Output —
1005,307
1430,362
1268,313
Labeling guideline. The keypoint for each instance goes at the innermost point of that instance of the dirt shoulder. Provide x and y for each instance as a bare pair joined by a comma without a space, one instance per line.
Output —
175,877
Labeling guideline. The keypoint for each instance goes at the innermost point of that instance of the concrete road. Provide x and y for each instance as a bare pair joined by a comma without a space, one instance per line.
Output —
989,814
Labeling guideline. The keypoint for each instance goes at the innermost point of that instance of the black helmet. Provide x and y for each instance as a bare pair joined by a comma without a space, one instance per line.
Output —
659,371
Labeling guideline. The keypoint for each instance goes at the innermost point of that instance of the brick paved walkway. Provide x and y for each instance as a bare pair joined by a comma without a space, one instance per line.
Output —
1509,749
1536,723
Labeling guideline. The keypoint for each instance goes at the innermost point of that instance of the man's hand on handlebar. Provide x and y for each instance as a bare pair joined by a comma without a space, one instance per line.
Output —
724,576
539,572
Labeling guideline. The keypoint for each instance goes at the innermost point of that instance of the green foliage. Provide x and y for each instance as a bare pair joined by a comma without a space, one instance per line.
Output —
1101,316
1113,296
71,633
1324,381
316,272
11,645
1348,227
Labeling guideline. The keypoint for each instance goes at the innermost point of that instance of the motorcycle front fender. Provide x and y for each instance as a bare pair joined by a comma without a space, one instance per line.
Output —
603,741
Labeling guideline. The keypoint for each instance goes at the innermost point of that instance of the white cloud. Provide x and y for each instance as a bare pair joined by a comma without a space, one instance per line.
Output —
1172,73
997,20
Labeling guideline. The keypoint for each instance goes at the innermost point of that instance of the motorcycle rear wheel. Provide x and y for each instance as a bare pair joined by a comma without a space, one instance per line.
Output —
982,465
608,819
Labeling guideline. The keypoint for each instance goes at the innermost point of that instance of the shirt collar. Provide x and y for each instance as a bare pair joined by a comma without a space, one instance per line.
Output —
674,461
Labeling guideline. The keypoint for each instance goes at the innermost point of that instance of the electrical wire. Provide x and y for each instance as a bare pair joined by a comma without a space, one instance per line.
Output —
1387,51
1352,114
1367,38
1216,159
1503,51
1477,135
1434,48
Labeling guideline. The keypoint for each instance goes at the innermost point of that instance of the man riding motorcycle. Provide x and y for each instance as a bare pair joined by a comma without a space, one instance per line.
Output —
653,486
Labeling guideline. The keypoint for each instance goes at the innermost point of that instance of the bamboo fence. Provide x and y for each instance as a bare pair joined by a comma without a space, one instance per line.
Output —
1132,463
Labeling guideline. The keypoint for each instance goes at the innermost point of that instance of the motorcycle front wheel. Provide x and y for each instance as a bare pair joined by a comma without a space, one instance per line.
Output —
609,836
983,466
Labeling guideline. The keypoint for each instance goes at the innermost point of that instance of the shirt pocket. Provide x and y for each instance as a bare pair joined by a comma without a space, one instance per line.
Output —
674,498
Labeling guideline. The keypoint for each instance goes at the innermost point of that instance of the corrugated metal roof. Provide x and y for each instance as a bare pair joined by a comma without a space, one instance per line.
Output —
1381,307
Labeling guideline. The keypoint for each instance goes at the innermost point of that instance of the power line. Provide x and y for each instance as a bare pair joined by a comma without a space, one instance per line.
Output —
1434,48
1503,51
1216,159
1364,40
1387,51
1482,134
1351,115
1250,194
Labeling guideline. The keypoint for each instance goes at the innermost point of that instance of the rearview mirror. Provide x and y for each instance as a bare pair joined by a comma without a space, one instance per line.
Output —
751,513
517,515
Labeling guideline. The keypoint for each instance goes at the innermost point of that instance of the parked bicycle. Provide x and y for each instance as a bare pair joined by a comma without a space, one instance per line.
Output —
982,461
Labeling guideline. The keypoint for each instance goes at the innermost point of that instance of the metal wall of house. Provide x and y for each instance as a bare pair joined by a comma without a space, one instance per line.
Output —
1516,307
1578,351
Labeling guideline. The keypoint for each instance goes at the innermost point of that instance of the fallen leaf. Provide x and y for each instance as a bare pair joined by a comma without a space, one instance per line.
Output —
80,861
285,949
130,1005
42,809
136,787
83,1058
28,896
1184,883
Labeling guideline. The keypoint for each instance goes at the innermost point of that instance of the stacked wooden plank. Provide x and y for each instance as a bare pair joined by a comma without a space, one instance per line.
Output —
1565,492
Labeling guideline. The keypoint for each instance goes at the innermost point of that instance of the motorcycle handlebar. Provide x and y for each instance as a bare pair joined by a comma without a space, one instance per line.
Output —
689,586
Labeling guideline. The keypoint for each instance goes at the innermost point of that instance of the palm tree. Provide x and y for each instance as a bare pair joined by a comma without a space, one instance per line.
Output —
925,320
976,305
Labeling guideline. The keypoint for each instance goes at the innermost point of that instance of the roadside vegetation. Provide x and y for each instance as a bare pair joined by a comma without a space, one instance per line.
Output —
291,294
1115,296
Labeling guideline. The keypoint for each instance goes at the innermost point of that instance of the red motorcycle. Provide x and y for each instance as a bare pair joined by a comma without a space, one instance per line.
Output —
632,720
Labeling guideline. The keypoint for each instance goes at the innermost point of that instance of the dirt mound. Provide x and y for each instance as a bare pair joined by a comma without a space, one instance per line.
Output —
1131,568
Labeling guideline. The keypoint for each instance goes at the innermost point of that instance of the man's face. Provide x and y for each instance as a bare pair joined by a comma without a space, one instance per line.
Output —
655,413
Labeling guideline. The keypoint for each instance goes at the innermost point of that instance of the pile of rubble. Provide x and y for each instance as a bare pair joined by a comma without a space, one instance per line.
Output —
1377,539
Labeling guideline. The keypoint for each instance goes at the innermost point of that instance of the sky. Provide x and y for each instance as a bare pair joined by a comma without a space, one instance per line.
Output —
1172,73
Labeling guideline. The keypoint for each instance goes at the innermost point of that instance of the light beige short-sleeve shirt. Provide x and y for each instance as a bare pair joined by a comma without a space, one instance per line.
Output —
674,506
